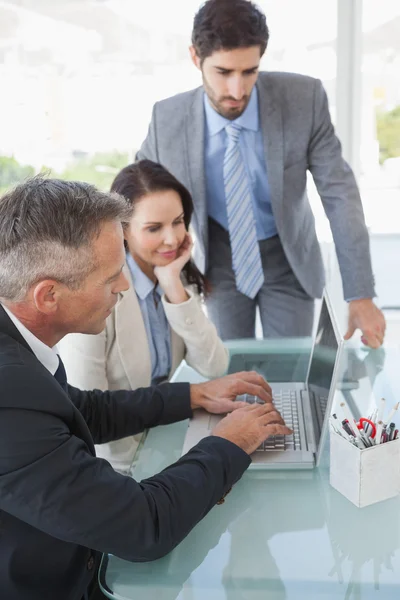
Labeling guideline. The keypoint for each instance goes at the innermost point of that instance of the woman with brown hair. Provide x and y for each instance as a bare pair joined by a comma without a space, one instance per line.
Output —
159,321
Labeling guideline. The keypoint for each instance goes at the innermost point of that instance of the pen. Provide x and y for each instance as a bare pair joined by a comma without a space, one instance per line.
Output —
347,428
390,431
334,426
374,415
368,428
392,413
373,418
381,410
349,436
366,440
342,432
379,432
350,419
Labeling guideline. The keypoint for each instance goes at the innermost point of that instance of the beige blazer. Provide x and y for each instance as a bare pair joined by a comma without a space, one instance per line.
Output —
119,357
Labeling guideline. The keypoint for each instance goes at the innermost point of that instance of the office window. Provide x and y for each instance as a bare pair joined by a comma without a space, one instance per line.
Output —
79,77
380,142
380,131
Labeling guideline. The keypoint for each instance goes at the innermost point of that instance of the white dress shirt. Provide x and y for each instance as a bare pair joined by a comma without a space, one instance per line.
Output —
46,355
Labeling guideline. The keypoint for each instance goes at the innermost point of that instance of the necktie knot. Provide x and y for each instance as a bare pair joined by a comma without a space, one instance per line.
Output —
233,132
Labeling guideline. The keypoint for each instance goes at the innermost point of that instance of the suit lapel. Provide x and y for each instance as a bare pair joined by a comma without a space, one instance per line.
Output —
79,426
194,142
131,338
177,351
271,127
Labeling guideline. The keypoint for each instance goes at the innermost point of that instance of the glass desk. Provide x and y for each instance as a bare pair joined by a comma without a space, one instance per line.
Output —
282,534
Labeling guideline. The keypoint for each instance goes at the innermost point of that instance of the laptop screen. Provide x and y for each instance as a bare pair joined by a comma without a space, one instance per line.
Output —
324,354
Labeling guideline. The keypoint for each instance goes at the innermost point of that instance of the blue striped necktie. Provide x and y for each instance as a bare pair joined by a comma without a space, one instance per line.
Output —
246,258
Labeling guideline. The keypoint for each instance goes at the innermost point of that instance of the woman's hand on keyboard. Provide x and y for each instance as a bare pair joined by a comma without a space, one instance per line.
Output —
250,425
219,395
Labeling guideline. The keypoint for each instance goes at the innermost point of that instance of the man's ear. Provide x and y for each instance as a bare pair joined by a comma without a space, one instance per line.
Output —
47,295
195,59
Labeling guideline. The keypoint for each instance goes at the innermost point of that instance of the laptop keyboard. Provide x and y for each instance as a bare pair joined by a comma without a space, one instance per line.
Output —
286,403
323,401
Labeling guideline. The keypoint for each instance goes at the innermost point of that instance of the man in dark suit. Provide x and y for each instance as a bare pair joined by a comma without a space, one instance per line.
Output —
61,260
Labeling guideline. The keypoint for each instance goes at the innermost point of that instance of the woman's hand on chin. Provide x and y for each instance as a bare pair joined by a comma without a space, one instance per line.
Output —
169,276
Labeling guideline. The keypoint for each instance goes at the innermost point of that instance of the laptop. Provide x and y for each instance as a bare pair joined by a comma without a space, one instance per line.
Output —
304,406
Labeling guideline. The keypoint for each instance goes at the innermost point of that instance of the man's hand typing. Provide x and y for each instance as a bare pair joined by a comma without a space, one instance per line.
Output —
250,425
218,396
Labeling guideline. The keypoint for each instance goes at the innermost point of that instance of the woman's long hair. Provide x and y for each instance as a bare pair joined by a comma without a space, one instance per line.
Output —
137,180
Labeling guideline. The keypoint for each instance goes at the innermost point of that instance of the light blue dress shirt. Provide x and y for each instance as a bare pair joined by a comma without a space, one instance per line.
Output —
252,148
155,321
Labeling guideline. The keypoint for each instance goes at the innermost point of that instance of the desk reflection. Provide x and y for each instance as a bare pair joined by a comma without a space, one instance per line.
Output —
247,549
279,535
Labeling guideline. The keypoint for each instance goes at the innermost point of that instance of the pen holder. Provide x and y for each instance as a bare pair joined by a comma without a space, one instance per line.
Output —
364,476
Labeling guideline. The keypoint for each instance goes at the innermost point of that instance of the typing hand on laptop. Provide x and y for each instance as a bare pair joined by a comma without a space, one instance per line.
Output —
219,396
305,406
249,426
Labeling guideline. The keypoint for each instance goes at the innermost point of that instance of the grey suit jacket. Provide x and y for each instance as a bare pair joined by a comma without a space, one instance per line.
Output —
298,137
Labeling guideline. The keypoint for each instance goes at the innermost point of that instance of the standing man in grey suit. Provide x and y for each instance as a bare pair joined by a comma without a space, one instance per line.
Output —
243,143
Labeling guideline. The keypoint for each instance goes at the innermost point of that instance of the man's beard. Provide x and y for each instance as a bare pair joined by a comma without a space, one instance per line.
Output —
230,113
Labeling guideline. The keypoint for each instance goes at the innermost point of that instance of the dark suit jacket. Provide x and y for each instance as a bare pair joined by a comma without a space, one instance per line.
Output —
60,506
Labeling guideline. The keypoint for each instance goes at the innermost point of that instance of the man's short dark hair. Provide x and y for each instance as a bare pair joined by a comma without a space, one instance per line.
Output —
227,25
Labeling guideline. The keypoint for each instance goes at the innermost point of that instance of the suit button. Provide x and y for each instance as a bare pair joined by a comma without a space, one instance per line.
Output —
90,563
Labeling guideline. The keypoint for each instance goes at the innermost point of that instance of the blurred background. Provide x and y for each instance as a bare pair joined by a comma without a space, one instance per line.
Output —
78,79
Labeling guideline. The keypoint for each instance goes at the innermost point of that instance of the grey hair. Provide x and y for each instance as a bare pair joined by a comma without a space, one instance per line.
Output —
47,229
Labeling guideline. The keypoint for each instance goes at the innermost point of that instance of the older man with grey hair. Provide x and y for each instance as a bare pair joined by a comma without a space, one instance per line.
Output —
61,260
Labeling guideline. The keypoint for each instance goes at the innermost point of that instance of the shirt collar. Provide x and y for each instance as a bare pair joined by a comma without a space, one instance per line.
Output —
248,119
46,355
142,284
